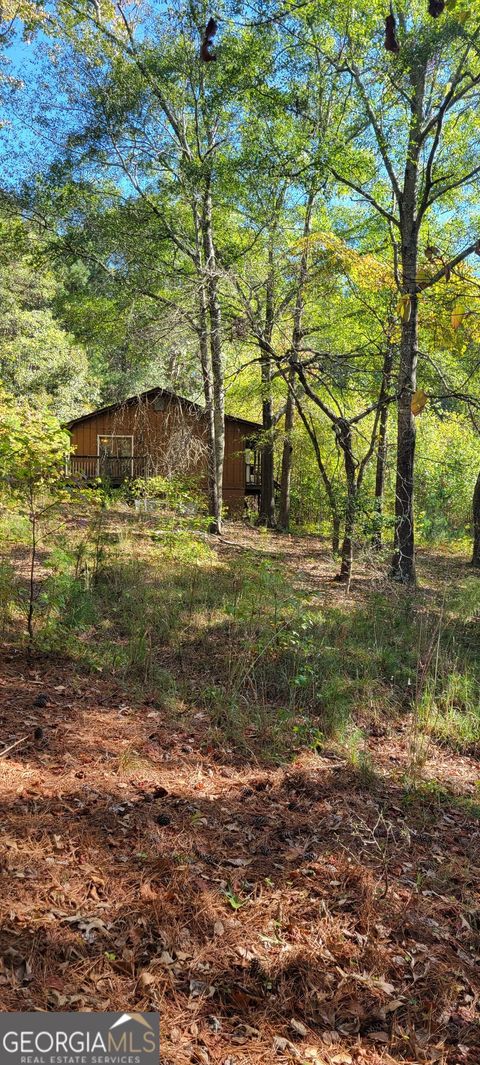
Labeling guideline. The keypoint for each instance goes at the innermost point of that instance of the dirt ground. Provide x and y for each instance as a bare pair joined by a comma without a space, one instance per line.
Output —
304,913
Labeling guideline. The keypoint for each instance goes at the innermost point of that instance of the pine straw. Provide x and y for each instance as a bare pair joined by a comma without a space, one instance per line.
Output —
357,914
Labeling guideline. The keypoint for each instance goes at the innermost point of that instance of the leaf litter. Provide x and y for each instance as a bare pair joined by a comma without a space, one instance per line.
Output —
270,915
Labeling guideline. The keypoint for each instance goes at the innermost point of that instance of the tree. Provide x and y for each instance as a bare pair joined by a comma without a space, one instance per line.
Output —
407,161
38,359
309,424
164,121
33,452
381,457
476,523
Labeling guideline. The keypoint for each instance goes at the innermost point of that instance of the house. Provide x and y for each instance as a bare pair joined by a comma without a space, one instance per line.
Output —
160,432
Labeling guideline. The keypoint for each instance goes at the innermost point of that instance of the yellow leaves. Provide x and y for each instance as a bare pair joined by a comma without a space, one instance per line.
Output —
423,275
365,269
463,14
404,307
458,314
419,401
30,12
394,334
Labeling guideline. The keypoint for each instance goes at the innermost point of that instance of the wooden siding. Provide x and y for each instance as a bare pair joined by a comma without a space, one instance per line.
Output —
174,438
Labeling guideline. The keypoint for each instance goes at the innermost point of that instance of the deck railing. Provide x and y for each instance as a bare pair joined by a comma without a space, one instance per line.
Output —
111,468
116,469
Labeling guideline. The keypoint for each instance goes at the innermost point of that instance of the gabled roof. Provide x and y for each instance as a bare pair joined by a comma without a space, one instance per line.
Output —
151,394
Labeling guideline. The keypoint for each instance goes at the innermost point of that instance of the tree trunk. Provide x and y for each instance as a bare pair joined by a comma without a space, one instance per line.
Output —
296,341
335,533
267,496
206,365
33,558
380,471
403,564
347,545
218,384
476,524
344,436
209,405
284,515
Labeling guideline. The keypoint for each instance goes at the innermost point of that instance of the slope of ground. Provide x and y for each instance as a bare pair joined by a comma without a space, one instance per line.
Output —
310,905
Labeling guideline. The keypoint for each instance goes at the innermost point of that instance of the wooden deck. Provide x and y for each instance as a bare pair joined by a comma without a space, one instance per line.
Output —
115,470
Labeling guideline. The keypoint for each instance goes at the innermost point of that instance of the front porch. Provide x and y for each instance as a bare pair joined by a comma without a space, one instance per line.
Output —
116,469
112,469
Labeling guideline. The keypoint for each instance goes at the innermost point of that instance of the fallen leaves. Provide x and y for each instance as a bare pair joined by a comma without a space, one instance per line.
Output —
259,925
145,980
15,971
147,892
88,926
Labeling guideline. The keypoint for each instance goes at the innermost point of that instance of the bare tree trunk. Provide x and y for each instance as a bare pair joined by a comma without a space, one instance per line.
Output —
209,405
284,512
206,365
33,559
476,524
284,520
218,383
267,497
403,565
344,434
347,545
381,465
403,562
336,525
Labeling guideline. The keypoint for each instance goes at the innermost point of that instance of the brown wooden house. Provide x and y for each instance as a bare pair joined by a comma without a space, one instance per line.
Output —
158,432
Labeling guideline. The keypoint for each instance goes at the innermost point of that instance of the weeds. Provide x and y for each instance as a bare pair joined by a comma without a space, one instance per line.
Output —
274,669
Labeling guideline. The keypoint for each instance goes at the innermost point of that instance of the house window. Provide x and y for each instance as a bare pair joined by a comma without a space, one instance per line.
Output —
115,456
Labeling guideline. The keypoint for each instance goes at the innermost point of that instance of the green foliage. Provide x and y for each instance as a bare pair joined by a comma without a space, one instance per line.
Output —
33,448
446,473
33,451
450,710
8,593
39,360
181,494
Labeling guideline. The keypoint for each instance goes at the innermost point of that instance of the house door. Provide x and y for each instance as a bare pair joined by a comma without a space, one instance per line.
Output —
115,457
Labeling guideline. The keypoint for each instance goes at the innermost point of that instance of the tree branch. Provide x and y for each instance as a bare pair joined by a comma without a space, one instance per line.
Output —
448,267
366,196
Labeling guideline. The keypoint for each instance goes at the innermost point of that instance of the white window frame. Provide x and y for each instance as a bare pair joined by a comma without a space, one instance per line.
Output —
114,436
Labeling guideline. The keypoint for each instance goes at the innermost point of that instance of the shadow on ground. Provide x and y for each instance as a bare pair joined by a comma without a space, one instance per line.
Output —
270,914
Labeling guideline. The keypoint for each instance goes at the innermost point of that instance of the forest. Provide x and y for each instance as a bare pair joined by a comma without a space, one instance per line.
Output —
240,527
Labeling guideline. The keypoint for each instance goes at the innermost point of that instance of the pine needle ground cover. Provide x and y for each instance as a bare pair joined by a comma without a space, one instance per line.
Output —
267,832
